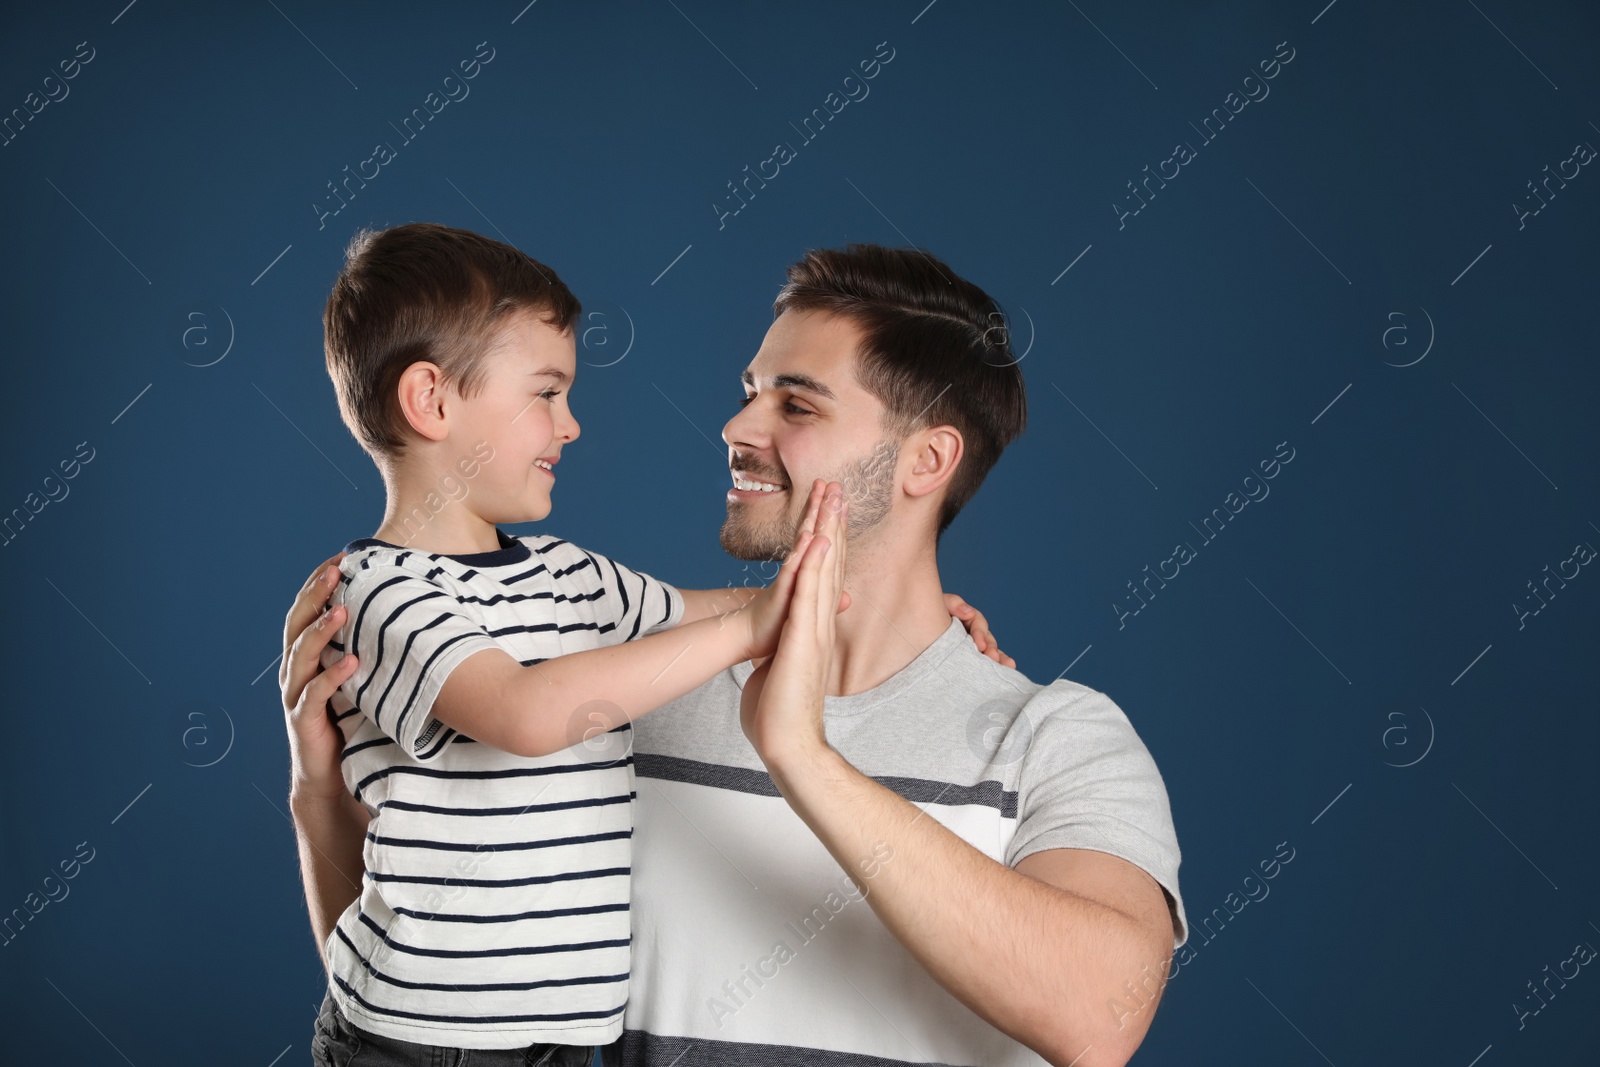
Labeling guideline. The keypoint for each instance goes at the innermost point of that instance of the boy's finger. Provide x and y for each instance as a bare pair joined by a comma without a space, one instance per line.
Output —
784,583
803,603
813,505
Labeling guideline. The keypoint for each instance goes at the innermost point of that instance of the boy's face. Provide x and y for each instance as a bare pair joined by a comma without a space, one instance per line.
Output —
805,416
521,411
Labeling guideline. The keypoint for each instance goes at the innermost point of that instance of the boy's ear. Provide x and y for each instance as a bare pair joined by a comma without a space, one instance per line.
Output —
937,450
421,393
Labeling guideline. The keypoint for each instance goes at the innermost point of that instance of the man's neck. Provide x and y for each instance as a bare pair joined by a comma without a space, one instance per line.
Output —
896,611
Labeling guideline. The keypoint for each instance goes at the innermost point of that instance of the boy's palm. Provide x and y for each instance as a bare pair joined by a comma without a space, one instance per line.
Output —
770,607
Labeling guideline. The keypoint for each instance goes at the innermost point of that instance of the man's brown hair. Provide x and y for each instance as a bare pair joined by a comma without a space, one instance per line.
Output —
425,292
935,350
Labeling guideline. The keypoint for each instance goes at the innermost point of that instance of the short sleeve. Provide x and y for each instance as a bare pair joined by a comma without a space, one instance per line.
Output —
1087,781
408,633
634,603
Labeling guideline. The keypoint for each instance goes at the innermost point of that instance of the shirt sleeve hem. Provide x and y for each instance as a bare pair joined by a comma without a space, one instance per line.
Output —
1168,883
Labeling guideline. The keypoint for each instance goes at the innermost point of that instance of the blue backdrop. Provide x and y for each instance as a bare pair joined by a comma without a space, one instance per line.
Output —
1352,242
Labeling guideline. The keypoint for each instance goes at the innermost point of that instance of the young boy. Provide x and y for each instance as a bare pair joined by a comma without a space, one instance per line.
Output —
486,723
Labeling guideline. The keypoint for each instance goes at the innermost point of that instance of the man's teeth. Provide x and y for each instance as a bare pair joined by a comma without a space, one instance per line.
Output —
753,486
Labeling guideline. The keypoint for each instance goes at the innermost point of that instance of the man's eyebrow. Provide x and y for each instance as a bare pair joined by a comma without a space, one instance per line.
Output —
557,373
803,382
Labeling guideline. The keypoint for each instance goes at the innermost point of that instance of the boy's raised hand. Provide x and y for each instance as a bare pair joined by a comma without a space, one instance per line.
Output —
770,607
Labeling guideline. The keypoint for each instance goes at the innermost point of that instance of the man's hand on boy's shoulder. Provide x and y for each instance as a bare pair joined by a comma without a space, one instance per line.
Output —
314,740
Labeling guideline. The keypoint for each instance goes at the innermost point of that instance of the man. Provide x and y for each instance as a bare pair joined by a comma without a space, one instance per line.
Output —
940,861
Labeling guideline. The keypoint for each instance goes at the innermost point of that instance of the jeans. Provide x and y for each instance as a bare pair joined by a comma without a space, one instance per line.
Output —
338,1043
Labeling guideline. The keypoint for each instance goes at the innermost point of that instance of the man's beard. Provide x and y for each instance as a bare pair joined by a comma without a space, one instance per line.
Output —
868,487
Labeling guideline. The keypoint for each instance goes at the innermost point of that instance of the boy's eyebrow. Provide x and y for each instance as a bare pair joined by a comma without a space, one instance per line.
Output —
557,373
802,382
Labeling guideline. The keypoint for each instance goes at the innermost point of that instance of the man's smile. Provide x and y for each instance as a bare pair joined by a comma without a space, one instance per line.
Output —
747,488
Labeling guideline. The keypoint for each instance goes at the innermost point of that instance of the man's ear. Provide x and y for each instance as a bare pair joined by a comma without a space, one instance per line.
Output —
937,450
421,393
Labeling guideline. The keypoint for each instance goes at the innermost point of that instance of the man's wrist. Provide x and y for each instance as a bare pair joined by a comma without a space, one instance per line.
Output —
306,797
797,762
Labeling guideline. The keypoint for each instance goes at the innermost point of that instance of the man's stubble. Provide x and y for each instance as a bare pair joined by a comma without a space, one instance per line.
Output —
868,487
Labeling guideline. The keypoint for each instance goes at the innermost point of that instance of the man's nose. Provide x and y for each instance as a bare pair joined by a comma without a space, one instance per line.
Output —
744,430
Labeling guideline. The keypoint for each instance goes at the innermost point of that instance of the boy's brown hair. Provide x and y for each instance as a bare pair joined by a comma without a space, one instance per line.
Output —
425,292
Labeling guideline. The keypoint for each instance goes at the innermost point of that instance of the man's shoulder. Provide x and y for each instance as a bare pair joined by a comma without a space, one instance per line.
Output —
972,676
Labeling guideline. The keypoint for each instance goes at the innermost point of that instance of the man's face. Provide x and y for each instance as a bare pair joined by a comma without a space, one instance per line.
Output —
804,417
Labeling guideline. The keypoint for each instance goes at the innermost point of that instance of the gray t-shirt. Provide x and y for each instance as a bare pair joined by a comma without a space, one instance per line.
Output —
749,941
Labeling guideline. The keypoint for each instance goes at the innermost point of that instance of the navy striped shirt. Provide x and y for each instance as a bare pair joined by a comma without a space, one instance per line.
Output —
494,908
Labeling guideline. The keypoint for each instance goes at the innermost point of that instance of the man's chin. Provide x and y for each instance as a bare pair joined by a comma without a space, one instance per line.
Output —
741,542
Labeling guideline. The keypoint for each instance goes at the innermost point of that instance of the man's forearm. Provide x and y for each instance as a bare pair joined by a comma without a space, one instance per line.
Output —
330,832
1037,962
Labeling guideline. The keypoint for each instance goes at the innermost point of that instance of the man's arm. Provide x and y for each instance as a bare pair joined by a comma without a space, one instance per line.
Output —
330,825
1040,951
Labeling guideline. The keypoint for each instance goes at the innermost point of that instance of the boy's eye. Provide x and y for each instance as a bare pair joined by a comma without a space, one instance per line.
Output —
550,394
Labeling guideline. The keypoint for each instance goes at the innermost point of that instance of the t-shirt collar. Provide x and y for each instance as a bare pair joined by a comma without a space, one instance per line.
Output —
511,551
927,661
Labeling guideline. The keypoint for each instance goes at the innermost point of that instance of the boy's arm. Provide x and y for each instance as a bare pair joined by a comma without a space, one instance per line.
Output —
546,707
706,603
453,671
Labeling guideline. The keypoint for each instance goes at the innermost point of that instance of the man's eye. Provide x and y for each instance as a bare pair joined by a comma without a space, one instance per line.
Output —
792,408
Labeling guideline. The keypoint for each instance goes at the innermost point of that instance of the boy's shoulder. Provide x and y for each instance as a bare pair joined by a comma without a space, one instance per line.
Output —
518,558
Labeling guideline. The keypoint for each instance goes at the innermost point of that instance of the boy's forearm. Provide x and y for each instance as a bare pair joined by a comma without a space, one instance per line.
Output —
707,603
557,703
329,832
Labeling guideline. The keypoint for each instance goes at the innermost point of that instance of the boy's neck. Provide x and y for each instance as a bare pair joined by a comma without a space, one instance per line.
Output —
417,515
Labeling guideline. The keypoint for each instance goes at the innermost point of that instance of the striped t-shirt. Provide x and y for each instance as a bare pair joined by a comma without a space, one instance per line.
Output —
494,908
752,948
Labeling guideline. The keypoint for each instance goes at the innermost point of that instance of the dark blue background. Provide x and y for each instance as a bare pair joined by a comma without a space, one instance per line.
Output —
1358,618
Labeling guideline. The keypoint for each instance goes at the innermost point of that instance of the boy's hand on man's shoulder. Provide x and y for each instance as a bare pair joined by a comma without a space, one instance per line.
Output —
978,628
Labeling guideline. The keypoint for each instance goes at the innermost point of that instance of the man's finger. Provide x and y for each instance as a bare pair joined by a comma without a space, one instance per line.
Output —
320,689
311,598
305,653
